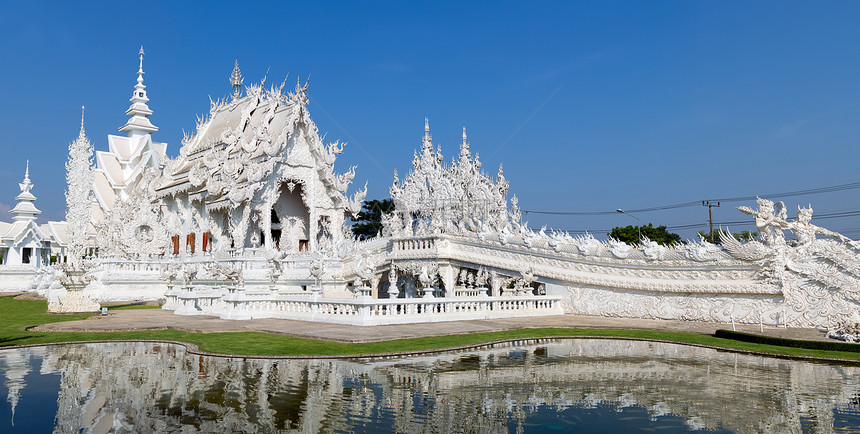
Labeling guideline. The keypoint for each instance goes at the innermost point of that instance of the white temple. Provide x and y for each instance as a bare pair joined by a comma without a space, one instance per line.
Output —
249,221
26,246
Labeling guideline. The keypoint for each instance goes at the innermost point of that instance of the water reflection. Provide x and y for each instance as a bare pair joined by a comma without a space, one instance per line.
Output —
604,385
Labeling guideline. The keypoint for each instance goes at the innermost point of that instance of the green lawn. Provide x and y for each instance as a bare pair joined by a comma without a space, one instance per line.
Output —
17,315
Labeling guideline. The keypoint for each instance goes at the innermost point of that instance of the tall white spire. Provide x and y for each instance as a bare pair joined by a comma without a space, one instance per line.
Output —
82,133
79,186
139,123
25,210
464,147
427,140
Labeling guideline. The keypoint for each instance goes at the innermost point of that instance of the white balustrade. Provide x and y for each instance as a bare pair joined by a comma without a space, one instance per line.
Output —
368,311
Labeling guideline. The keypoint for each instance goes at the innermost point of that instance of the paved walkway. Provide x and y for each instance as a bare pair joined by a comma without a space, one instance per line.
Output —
157,319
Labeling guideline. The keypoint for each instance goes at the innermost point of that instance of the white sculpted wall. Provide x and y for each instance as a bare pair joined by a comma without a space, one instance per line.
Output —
815,281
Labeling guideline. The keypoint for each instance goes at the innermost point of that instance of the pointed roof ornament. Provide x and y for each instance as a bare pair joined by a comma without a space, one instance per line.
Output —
139,111
25,210
428,139
284,83
263,83
464,148
236,80
140,68
82,134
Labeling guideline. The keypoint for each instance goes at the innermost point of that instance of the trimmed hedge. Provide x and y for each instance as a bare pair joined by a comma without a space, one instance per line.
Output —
785,342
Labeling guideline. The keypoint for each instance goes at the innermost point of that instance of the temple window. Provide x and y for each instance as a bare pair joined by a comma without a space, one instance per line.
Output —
304,245
175,240
207,241
189,243
26,252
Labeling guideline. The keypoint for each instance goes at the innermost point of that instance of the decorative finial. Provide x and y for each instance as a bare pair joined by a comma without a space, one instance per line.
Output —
140,68
139,112
236,80
82,120
284,83
427,140
263,84
464,135
26,185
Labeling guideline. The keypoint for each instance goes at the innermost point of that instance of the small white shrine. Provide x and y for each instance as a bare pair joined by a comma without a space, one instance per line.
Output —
250,221
26,246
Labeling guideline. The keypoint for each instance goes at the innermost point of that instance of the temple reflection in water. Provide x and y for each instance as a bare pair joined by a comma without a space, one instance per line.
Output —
512,387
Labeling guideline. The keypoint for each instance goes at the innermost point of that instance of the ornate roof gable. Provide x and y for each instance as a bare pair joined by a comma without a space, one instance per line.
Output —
236,147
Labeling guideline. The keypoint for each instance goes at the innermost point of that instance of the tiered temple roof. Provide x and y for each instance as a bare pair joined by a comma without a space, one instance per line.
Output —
122,166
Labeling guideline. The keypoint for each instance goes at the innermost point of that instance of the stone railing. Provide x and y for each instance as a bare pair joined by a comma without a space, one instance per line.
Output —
461,291
368,311
417,243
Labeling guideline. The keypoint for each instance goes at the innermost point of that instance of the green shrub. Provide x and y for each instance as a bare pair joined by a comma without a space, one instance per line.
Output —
785,342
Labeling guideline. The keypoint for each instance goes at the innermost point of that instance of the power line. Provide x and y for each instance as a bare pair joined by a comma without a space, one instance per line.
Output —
825,216
810,191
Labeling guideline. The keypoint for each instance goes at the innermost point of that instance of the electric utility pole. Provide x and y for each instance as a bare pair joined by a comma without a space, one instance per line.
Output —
711,206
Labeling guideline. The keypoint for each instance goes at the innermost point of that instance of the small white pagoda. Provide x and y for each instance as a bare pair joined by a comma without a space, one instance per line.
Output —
25,245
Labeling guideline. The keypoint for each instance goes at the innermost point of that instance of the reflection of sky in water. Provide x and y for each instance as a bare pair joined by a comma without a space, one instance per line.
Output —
32,403
555,386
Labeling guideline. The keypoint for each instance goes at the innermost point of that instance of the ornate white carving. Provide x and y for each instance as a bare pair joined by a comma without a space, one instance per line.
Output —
79,181
619,249
134,228
702,251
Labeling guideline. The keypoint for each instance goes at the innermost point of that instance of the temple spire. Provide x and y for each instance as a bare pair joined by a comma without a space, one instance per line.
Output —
139,123
428,139
236,80
464,147
25,210
82,133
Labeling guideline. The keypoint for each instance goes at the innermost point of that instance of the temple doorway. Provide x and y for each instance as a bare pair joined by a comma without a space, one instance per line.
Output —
290,218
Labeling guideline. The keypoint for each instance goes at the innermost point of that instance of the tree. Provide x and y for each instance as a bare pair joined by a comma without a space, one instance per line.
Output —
740,236
630,234
368,222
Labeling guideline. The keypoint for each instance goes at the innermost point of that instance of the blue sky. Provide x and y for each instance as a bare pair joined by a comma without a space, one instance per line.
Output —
590,106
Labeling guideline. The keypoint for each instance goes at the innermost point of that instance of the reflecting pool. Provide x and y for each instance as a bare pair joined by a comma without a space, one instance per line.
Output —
575,385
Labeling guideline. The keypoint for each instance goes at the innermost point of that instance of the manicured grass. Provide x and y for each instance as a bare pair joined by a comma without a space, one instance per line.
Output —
17,315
